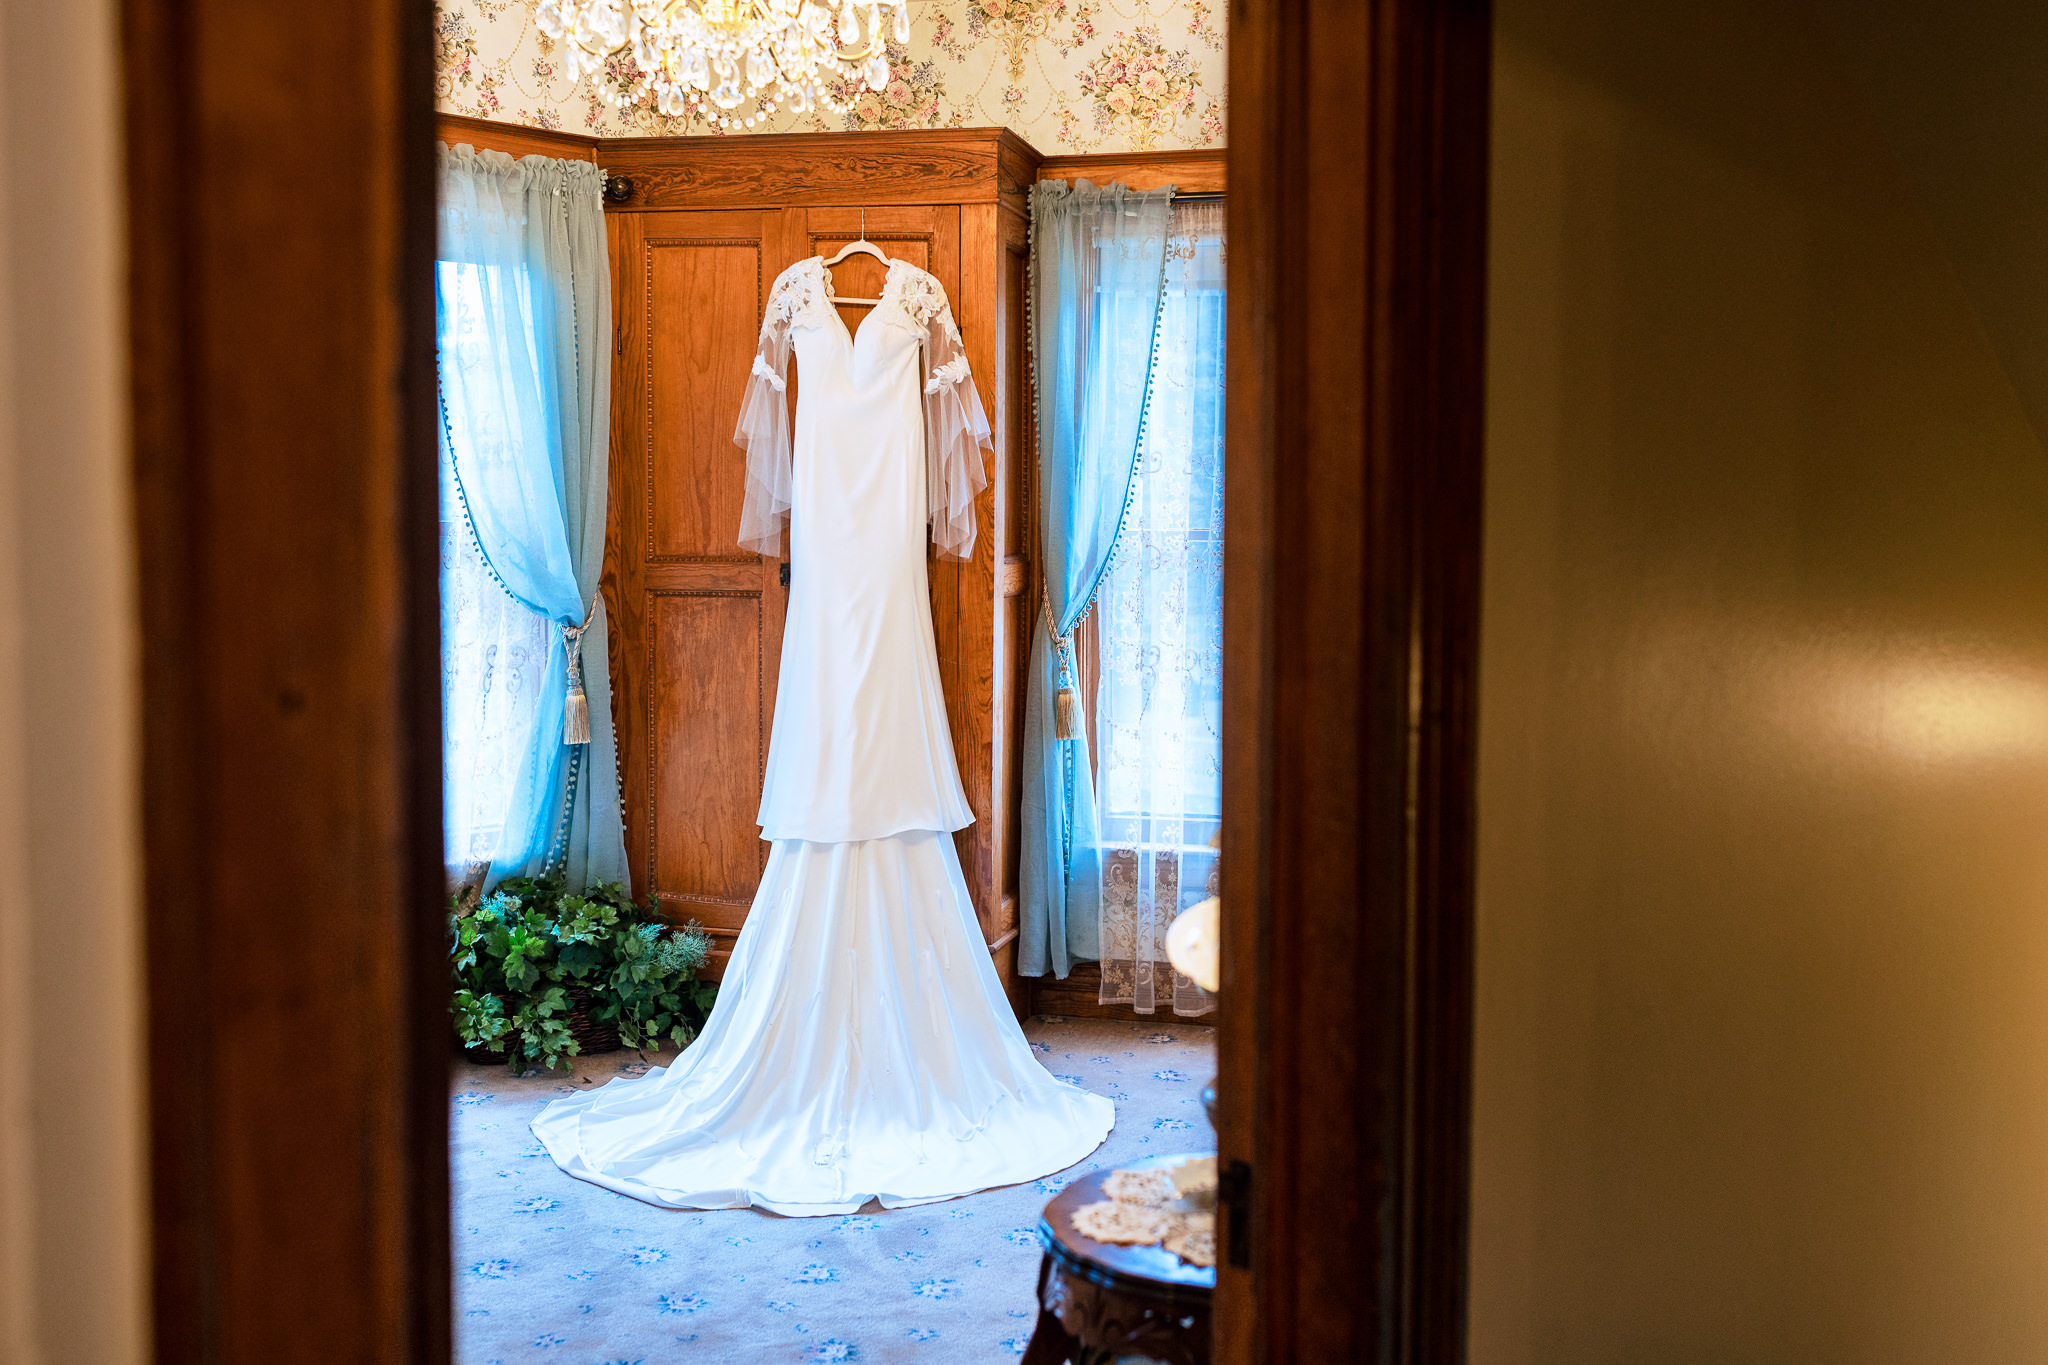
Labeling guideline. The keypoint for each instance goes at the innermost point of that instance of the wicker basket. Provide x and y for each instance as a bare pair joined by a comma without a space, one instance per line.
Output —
592,1035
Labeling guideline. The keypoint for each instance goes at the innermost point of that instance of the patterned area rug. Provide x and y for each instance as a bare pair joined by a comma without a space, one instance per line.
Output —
551,1269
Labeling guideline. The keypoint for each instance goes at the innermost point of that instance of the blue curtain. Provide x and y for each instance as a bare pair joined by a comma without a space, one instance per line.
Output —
1098,262
524,323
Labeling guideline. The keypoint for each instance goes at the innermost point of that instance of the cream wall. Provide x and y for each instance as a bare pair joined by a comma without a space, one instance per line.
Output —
1959,88
1763,904
72,1199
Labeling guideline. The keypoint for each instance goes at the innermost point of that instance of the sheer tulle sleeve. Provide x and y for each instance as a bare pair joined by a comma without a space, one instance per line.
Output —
764,433
956,432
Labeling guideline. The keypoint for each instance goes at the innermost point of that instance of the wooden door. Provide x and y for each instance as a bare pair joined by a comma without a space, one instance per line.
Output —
696,620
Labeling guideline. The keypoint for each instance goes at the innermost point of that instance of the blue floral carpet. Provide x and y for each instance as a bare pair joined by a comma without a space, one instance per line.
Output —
551,1269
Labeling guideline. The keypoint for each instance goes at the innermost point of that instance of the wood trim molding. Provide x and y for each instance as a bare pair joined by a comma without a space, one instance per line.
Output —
1078,995
513,139
1357,270
1190,172
285,518
814,170
982,164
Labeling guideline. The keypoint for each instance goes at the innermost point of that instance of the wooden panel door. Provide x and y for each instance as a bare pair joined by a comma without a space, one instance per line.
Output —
697,621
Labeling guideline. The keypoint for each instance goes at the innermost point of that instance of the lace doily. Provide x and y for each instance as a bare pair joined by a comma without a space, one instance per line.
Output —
1121,1224
1171,1206
1194,1244
1151,1188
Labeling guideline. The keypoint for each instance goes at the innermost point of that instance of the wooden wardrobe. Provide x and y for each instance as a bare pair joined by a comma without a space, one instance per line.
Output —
696,243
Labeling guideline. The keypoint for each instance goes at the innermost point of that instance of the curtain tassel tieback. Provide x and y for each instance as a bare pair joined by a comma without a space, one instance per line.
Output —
576,716
1066,703
576,706
1066,714
576,709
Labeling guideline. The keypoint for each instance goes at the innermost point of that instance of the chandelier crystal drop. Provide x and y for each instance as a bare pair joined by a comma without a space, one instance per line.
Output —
731,63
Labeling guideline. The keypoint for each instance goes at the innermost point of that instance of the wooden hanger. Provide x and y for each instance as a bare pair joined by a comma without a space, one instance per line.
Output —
864,247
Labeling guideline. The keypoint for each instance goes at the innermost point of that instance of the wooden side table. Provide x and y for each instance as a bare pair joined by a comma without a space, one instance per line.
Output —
1098,1302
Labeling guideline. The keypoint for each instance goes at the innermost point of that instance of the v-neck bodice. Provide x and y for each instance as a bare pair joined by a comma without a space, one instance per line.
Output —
870,358
882,300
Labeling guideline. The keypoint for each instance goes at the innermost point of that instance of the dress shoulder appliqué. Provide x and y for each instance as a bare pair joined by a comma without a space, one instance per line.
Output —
923,299
799,292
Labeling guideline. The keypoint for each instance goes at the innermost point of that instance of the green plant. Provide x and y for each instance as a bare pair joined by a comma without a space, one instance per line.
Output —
653,992
516,955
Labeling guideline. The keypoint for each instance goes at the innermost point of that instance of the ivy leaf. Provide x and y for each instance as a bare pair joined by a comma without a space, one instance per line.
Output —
581,958
510,956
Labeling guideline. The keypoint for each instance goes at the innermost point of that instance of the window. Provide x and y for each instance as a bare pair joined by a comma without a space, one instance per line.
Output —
494,649
1159,618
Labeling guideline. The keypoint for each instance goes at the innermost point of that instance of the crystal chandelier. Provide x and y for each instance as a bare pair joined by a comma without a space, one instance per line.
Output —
711,59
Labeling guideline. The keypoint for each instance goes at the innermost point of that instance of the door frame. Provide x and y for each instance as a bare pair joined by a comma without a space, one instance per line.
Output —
1357,216
281,314
281,245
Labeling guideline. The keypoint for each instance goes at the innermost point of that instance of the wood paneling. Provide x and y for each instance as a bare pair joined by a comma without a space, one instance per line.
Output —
1357,265
1193,172
708,613
1013,588
795,170
965,590
286,527
513,139
696,619
707,743
953,166
701,299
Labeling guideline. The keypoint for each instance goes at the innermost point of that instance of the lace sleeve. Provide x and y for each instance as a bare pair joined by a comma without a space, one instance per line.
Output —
763,432
956,432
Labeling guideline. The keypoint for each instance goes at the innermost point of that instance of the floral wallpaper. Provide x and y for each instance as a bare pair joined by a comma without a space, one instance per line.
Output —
1068,75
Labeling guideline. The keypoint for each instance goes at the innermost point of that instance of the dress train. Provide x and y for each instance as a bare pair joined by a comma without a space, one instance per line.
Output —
861,1049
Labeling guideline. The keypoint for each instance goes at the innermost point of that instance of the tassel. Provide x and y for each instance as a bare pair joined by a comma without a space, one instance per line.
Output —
576,707
1066,707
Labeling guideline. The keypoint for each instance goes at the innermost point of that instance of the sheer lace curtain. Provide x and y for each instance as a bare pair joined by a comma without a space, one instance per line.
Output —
494,655
1160,613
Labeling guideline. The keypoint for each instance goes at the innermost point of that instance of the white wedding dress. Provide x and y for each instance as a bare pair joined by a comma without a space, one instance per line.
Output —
861,1047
